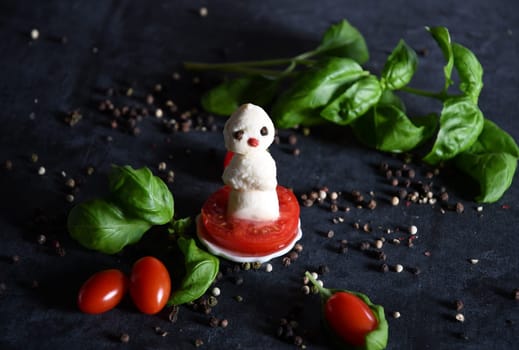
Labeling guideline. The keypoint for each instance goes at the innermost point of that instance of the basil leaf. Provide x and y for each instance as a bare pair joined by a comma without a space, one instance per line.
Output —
443,38
201,270
344,40
399,67
461,122
387,128
469,70
313,90
493,171
102,226
225,98
354,102
180,226
375,340
491,161
494,139
140,194
389,98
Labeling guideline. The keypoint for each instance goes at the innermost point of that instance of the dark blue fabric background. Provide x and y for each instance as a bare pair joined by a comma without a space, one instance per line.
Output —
138,44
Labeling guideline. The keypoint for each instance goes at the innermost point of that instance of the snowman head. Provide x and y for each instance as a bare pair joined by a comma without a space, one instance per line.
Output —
249,129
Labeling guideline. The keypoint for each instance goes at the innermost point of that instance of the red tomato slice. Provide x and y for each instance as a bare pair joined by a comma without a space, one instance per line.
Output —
150,285
248,237
102,292
350,317
227,159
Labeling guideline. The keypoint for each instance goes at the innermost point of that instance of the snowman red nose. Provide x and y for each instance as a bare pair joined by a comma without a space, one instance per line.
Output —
253,142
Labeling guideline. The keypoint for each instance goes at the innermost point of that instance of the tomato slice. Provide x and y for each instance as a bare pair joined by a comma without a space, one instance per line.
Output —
253,238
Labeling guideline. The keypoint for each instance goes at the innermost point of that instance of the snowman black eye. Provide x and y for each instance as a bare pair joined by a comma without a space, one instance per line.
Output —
238,135
264,131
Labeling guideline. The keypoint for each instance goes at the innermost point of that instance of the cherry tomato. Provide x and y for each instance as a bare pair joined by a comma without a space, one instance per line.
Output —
245,236
150,285
102,292
350,317
227,159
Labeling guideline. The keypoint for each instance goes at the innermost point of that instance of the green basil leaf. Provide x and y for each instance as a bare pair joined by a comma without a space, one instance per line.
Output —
493,171
399,67
180,226
388,129
354,102
201,270
344,40
140,194
491,161
443,38
376,339
469,70
494,139
102,226
389,98
225,98
461,122
313,90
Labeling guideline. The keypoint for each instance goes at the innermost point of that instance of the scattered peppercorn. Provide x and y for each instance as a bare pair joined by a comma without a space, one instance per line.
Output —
35,34
214,322
460,317
323,269
41,239
8,165
364,245
203,12
125,338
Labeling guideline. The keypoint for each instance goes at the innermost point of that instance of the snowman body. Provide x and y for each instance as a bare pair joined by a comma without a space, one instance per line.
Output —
251,174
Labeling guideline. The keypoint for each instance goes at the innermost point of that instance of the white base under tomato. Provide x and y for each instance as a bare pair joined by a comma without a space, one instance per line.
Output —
240,257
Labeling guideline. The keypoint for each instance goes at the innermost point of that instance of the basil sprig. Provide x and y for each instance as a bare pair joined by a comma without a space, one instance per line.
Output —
375,340
329,84
201,270
137,201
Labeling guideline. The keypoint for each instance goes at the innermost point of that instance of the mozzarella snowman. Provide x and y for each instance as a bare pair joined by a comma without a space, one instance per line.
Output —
251,174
